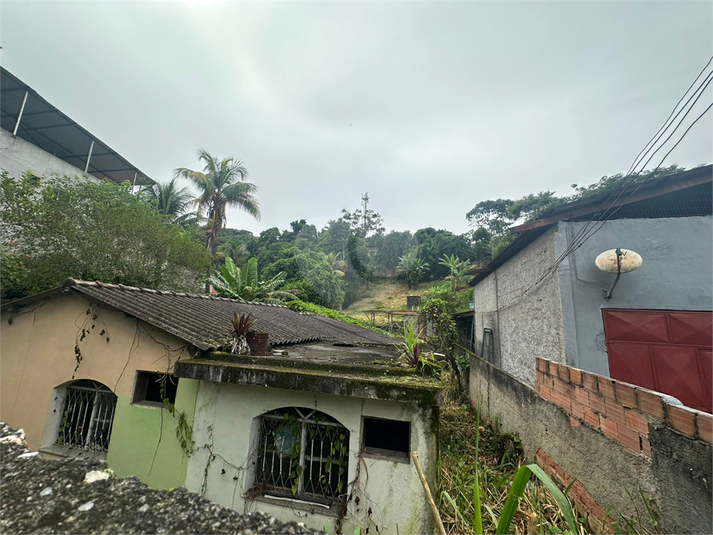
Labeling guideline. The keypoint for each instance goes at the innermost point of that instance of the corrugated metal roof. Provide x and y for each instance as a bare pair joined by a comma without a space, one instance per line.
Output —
46,127
204,321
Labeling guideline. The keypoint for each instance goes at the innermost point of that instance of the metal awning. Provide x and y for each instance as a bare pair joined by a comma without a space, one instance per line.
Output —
29,116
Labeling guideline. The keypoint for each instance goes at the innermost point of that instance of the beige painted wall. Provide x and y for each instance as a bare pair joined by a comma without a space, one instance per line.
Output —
221,468
37,354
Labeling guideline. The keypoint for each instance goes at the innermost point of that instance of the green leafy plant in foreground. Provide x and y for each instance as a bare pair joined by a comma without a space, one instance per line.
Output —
410,346
517,490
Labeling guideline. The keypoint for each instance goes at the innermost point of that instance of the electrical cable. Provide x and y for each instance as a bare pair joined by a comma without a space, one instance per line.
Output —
633,165
585,233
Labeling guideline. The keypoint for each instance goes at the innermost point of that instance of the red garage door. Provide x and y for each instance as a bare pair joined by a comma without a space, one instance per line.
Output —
664,350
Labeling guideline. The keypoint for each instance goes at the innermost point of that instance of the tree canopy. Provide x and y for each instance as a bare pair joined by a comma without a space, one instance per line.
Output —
491,219
65,227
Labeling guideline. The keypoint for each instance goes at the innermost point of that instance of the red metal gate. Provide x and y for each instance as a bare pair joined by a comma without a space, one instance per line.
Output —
663,350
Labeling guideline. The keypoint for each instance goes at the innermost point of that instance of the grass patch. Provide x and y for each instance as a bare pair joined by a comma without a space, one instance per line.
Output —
498,459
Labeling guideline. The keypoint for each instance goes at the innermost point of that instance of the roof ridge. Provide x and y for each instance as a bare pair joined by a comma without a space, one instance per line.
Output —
99,284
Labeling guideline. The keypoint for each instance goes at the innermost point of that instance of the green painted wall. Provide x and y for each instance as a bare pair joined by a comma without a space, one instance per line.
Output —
143,440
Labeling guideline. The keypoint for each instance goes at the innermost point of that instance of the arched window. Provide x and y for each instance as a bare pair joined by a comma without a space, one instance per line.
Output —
302,453
87,416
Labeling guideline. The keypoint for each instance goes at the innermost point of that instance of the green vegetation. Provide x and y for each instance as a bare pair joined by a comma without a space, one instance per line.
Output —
484,487
222,183
301,306
411,267
58,228
492,218
246,285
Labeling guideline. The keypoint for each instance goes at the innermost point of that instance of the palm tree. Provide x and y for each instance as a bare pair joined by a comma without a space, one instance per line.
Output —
170,199
222,183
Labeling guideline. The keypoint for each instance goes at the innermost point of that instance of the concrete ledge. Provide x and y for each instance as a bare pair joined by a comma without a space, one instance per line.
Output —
407,389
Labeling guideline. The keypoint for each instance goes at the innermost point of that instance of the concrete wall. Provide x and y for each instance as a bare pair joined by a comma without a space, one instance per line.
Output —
676,275
37,356
524,326
613,440
225,429
18,156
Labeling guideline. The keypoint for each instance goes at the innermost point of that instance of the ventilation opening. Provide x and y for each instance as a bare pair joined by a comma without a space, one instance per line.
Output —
149,386
388,438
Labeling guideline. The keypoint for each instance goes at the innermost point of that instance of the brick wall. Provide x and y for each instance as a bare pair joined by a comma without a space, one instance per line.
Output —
616,441
619,410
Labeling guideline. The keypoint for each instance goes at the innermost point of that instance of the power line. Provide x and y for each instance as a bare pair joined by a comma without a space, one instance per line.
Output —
585,233
663,126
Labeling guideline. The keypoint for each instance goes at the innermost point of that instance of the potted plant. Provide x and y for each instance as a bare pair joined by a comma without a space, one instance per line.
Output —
242,325
258,342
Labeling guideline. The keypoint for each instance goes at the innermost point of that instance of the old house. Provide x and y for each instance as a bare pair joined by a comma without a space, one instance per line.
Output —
35,136
319,430
544,297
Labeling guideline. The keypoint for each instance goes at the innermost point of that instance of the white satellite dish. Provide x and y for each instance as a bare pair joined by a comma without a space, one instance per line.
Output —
618,261
628,261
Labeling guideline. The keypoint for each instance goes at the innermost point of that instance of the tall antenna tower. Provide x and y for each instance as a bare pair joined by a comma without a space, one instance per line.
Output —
364,203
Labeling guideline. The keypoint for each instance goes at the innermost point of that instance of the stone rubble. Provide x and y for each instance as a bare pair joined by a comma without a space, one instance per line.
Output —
82,496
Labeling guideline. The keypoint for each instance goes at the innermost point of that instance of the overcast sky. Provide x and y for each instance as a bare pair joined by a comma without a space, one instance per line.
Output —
428,107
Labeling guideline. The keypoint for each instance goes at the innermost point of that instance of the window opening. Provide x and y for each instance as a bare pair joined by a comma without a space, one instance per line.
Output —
302,453
486,348
87,416
147,389
387,437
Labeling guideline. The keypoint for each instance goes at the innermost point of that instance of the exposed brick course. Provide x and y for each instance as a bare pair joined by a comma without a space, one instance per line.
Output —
589,381
625,394
681,420
705,427
619,410
650,403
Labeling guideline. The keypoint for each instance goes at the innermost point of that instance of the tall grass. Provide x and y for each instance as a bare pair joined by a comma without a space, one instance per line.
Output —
484,486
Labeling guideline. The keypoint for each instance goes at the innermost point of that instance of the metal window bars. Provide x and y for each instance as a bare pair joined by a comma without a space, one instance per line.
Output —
87,417
302,453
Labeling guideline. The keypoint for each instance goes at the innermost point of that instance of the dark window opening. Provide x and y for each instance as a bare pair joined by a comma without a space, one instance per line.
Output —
151,388
387,437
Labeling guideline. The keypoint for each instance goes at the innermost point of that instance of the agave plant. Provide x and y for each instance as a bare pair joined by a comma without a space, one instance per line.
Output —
242,324
245,284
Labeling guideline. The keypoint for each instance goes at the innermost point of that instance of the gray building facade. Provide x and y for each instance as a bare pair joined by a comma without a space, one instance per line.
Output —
525,308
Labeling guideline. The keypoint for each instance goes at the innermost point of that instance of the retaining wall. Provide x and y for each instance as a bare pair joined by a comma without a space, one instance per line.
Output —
624,447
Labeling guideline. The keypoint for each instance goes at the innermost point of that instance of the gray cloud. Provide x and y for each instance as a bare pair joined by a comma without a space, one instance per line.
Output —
430,107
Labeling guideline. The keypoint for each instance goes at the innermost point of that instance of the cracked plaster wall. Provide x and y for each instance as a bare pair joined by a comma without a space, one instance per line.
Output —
226,421
37,356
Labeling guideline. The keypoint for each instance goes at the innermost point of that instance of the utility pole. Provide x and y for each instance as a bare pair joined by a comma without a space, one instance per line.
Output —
365,203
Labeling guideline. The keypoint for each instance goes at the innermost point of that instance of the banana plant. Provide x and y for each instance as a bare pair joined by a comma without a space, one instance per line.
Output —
245,284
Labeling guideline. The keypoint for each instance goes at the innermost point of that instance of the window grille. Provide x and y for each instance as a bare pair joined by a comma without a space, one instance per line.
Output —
87,416
302,453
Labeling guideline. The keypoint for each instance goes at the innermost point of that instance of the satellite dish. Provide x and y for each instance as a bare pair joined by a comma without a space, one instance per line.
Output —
619,261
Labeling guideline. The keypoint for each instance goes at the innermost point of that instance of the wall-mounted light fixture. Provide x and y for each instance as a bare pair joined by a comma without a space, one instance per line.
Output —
618,261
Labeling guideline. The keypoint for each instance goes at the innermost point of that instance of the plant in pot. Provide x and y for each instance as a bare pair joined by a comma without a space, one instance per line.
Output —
242,325
259,342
